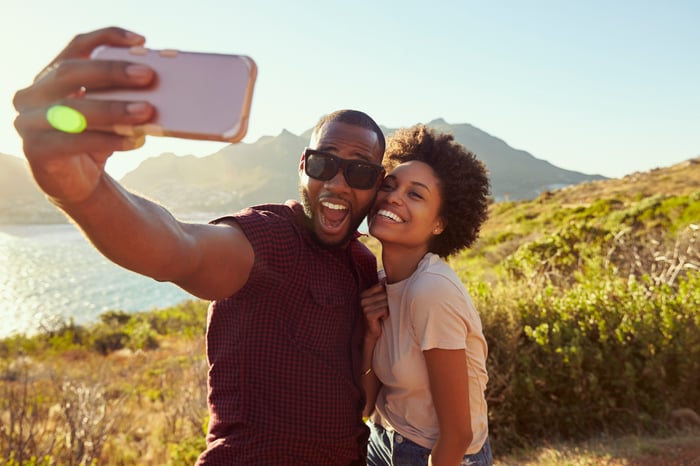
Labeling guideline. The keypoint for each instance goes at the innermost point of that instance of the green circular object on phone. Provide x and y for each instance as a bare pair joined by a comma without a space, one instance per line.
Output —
66,119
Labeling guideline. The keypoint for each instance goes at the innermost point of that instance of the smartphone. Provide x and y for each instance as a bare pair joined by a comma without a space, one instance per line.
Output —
196,95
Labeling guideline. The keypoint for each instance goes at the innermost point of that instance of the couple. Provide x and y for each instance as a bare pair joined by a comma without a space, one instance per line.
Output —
292,360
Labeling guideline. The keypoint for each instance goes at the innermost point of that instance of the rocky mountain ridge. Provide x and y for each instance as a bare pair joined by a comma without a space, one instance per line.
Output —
266,171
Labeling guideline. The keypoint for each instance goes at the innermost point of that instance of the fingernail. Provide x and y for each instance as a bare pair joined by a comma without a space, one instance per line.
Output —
134,142
139,72
137,108
133,38
124,130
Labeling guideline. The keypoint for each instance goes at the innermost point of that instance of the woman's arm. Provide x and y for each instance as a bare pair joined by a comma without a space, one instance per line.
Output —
368,379
449,387
375,308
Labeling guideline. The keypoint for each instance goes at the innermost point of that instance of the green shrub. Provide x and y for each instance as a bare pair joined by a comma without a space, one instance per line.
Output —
105,340
186,451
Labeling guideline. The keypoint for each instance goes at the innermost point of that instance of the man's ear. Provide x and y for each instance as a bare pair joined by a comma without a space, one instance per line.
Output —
301,163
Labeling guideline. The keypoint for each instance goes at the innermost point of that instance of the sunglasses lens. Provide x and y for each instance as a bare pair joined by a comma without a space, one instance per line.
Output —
320,167
323,167
361,175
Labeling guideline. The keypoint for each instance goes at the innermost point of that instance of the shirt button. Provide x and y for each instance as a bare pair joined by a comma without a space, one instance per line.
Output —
398,438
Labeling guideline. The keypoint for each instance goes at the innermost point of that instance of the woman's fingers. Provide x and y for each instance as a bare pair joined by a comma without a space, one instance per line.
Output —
373,290
375,306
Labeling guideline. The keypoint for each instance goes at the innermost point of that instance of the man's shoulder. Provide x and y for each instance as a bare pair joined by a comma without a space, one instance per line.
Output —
269,224
286,212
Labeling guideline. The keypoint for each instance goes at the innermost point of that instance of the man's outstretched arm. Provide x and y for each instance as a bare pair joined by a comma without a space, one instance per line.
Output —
210,261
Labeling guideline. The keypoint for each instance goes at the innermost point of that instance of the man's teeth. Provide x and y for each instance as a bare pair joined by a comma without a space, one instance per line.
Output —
391,215
333,206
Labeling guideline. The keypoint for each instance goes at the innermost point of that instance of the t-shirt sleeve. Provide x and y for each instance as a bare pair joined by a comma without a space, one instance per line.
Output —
438,313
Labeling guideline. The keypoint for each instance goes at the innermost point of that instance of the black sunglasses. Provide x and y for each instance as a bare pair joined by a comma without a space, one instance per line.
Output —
324,166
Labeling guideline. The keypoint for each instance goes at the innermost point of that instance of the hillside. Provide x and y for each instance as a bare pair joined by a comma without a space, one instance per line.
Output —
680,179
617,195
654,206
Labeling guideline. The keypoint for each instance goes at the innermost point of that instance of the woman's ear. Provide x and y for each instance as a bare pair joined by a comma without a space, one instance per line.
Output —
439,227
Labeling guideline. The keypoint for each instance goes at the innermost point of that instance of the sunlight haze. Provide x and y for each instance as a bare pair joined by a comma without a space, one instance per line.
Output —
598,87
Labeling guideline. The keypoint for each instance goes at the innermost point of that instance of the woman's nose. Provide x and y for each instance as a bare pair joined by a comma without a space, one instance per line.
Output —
394,197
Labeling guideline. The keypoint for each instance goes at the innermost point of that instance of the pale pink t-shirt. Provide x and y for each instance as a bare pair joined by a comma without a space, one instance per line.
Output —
430,309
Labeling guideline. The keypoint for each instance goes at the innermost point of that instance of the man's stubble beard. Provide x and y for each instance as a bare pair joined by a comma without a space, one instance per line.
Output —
309,217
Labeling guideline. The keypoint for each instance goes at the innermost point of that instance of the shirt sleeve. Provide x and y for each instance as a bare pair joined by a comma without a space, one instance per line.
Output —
437,309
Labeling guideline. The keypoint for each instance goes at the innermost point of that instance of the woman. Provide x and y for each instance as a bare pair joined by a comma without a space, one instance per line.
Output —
425,353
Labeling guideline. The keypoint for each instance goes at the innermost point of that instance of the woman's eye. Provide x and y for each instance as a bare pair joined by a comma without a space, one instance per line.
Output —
415,195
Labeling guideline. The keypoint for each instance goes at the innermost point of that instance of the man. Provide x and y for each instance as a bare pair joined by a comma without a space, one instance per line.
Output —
284,329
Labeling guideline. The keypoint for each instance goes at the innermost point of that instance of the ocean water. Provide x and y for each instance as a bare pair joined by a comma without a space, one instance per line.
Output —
51,273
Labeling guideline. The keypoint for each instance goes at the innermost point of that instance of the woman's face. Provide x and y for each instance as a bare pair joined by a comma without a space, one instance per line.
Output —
406,211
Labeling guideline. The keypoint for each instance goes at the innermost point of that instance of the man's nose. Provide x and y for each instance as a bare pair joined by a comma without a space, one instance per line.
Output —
338,182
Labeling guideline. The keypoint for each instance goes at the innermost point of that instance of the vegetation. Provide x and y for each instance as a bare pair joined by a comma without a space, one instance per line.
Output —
130,389
590,300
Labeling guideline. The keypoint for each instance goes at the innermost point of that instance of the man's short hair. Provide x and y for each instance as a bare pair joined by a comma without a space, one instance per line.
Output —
355,118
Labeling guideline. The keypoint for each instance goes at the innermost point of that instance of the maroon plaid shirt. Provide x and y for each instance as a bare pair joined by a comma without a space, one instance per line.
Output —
284,351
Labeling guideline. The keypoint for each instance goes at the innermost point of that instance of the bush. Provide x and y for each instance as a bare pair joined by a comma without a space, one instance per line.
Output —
577,349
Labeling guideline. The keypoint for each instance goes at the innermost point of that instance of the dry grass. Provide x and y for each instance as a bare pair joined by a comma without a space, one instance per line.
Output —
125,408
151,400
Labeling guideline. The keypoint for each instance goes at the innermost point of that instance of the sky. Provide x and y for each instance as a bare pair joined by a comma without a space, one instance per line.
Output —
600,87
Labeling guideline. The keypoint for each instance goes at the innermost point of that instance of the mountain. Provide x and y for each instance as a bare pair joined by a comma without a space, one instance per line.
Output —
20,199
515,174
267,171
235,177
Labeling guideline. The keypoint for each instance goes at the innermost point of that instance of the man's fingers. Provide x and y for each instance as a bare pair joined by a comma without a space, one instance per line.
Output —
99,115
56,144
73,76
82,45
70,73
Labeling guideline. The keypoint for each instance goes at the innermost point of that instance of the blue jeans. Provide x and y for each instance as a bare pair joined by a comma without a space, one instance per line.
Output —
387,448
